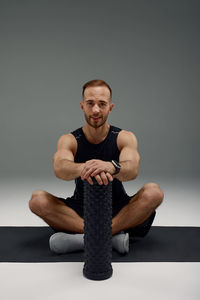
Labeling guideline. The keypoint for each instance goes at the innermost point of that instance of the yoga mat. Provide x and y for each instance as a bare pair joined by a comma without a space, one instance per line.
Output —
162,244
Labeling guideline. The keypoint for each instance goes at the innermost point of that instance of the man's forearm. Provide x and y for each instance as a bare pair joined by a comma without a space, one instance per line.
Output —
68,170
128,171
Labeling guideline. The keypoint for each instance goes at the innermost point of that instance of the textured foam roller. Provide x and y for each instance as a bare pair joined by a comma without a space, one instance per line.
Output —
97,230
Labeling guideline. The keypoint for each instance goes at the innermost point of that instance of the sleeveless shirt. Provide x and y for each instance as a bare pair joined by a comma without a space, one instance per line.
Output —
106,150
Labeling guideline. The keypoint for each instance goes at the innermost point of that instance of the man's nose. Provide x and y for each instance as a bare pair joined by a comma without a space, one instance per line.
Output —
96,108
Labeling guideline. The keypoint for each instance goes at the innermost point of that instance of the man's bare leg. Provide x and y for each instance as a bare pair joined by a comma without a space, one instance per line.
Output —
63,218
140,207
55,213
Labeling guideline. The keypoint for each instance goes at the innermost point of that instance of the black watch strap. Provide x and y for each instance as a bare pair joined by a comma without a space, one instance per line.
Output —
117,166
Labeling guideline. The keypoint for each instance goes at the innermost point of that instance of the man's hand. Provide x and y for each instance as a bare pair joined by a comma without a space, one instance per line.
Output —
101,170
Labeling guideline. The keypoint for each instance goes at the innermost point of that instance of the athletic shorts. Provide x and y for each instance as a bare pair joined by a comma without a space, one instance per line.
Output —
138,231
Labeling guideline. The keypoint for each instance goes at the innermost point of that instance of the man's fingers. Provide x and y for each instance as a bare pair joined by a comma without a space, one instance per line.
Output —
89,179
97,171
87,172
98,179
96,167
104,178
109,176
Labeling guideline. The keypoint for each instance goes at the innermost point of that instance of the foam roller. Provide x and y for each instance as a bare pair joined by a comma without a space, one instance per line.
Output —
97,230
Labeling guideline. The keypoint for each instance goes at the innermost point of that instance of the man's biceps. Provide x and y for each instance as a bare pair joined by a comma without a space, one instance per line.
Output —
64,154
128,154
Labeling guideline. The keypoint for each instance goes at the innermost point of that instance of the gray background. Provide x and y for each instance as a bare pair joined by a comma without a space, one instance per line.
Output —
148,51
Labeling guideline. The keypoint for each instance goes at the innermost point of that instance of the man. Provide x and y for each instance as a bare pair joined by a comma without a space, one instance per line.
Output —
106,153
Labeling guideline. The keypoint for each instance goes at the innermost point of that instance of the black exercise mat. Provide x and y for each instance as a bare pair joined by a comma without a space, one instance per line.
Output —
162,244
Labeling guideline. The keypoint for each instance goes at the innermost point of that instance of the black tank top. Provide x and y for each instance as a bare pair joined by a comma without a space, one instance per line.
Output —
107,150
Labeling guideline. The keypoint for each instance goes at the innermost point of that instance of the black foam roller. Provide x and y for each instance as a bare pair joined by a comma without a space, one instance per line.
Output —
97,230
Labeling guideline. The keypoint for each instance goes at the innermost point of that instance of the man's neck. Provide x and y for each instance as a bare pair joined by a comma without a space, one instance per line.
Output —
96,135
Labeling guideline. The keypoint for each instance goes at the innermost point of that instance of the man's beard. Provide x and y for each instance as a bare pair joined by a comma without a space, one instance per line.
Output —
93,124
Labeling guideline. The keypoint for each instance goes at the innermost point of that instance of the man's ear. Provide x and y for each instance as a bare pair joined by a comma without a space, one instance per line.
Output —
111,107
81,105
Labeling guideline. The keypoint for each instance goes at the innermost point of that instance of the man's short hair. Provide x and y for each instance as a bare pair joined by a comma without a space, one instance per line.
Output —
96,82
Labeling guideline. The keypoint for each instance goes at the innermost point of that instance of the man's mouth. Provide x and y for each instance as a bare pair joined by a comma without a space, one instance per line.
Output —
95,118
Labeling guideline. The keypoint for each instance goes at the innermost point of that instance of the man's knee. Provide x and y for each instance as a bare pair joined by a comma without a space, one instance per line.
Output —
153,194
39,203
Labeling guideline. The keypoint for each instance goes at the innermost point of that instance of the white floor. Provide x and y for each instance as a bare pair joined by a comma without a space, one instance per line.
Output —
178,281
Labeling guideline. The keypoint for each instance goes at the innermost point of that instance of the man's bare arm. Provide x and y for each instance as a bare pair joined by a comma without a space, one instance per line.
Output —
129,158
63,160
65,168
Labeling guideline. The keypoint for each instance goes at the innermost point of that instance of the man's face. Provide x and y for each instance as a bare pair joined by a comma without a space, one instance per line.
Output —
96,105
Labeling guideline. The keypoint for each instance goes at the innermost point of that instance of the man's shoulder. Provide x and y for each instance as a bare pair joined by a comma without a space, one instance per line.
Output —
122,132
72,135
126,137
67,139
126,133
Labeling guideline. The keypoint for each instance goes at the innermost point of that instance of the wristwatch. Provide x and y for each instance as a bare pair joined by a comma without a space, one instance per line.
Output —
117,166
